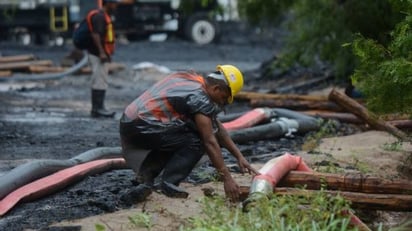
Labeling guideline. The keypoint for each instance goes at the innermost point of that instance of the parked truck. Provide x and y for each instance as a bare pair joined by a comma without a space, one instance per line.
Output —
52,21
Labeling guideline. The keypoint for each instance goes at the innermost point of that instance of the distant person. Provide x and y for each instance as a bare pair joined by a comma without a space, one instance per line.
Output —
176,122
100,51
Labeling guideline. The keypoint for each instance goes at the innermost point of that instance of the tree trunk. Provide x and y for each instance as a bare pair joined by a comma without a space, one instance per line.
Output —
354,107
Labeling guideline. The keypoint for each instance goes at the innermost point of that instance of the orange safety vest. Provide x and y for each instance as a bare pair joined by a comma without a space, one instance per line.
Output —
109,37
159,107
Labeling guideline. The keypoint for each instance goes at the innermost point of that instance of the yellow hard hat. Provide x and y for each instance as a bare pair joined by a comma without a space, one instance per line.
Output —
233,77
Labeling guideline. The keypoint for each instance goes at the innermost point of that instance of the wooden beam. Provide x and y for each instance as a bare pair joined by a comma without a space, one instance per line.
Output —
348,182
244,95
24,65
47,69
5,73
354,107
16,58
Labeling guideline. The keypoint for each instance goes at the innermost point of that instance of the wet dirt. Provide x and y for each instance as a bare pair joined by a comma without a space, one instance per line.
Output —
51,120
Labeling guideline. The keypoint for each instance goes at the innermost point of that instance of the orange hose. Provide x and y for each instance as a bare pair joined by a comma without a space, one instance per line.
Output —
249,119
56,181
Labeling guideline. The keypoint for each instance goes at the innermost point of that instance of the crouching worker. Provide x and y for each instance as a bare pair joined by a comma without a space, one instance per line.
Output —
172,124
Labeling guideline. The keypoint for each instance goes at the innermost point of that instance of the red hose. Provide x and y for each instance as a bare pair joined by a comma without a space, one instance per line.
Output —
249,119
56,181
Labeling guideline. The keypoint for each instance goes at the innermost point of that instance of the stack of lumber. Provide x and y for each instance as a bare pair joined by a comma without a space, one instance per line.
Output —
21,63
29,63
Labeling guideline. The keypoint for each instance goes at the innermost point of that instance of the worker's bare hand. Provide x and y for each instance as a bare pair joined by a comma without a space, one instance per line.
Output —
232,190
246,167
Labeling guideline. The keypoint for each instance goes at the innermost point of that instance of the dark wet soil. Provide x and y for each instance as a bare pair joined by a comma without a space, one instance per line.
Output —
51,120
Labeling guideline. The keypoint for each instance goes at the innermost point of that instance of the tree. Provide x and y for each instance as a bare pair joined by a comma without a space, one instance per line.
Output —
379,32
384,73
319,28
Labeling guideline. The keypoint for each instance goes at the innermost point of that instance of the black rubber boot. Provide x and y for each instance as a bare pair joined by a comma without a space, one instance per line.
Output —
152,166
177,169
136,194
172,190
98,109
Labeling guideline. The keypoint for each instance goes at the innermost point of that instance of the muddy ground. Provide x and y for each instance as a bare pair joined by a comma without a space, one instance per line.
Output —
51,120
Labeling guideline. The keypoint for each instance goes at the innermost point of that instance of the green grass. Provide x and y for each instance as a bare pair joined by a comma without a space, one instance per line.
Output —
318,211
395,146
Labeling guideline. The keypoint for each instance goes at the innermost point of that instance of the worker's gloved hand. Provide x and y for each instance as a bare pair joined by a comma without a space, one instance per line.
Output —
246,167
232,189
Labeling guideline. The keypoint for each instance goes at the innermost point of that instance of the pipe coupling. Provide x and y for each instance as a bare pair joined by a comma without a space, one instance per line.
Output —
261,186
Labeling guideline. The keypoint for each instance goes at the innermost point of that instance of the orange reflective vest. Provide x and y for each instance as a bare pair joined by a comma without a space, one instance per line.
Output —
158,103
109,36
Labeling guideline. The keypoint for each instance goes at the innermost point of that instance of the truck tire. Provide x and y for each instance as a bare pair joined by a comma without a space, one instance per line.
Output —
201,29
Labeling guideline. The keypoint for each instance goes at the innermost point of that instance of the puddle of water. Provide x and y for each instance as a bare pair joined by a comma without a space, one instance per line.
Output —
41,117
4,87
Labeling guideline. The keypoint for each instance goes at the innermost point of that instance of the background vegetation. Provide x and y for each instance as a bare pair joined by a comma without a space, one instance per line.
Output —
367,41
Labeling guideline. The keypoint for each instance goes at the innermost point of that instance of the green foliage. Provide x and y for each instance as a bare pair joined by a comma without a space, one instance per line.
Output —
320,28
317,211
395,146
189,6
141,220
384,74
263,10
99,227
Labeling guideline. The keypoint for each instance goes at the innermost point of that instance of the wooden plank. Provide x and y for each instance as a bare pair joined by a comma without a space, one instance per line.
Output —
16,58
245,95
24,65
348,182
43,69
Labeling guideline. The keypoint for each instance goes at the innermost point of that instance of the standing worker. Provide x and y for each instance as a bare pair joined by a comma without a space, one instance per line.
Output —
100,51
176,121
